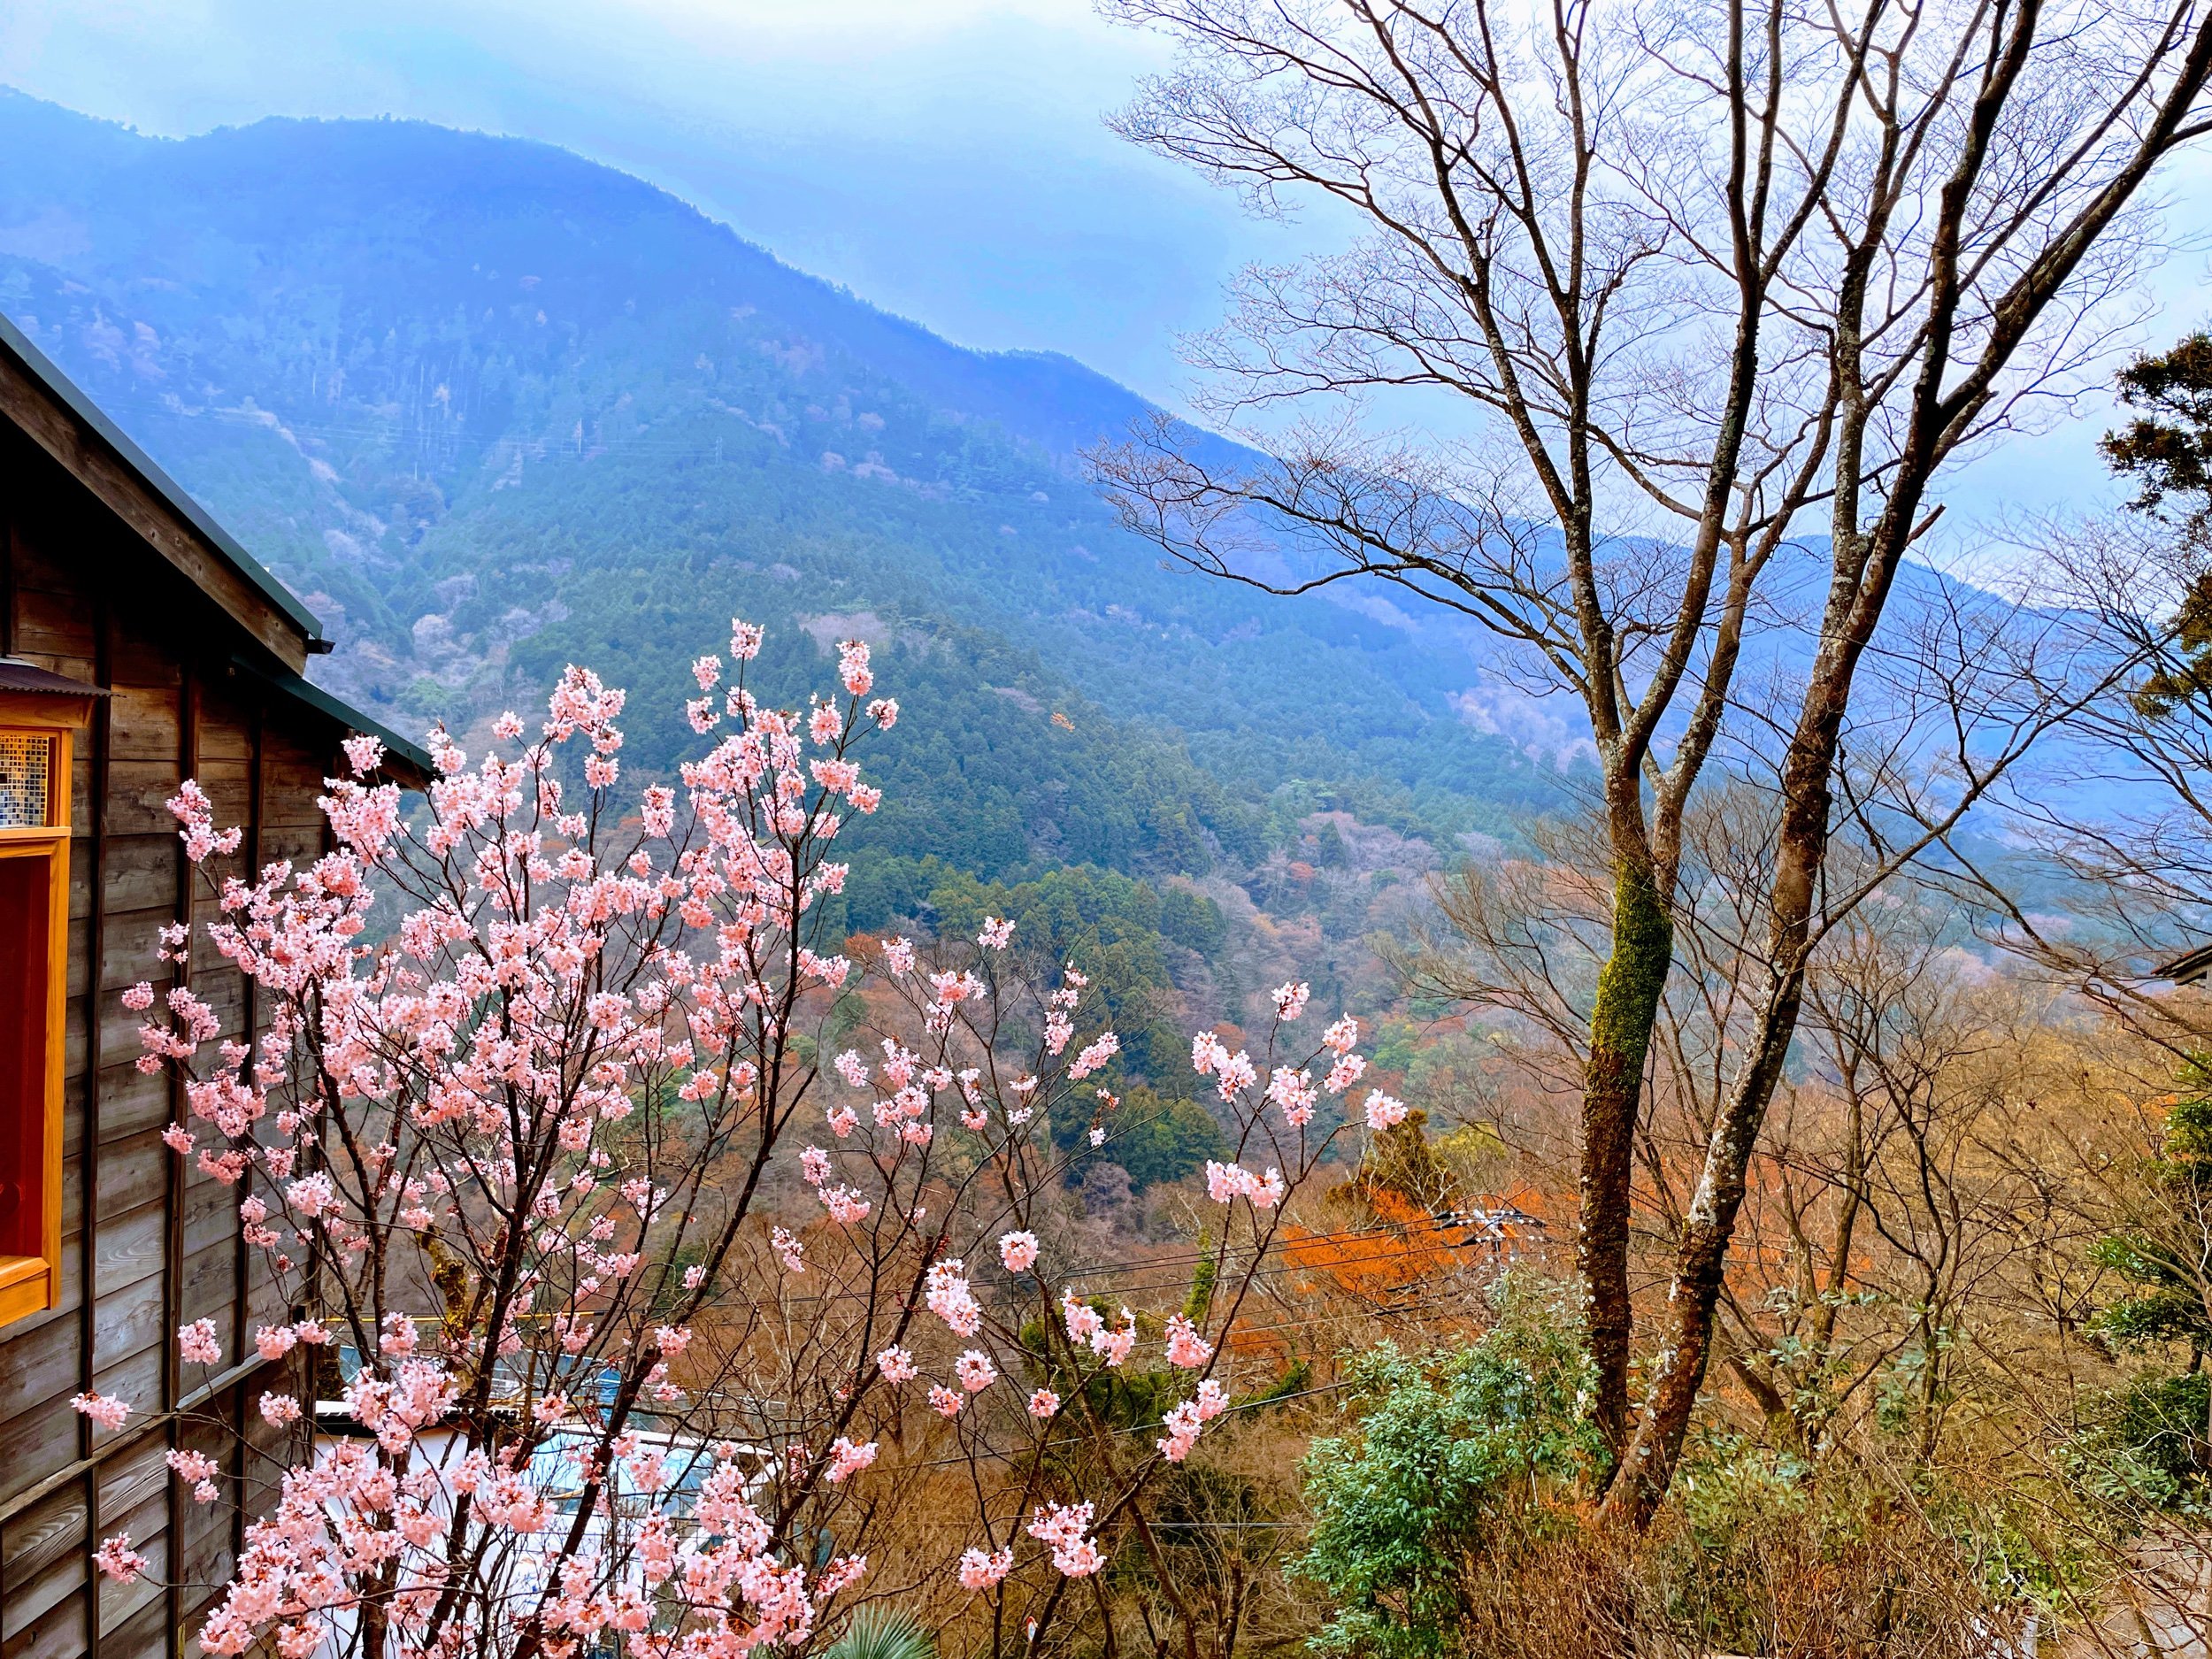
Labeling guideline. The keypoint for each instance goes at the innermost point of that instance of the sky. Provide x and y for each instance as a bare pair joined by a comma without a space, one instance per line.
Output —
946,159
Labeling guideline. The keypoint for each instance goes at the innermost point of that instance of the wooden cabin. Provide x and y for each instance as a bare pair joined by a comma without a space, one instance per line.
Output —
139,645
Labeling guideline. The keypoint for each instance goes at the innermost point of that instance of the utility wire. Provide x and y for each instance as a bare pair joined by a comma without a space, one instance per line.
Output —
1239,1275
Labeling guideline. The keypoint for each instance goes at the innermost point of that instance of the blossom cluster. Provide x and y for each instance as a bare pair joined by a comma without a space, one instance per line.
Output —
478,1095
464,1090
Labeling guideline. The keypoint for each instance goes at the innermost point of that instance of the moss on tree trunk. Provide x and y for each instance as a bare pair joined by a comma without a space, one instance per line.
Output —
1621,1020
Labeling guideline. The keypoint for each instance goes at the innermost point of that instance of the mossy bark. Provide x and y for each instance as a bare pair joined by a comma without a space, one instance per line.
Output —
1621,1020
1684,1348
1709,1224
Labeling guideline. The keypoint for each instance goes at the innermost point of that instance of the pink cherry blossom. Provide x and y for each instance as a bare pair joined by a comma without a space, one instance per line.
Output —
1185,1348
1084,1321
1063,1526
980,1569
198,1472
364,755
1182,1422
198,1345
573,1051
1115,1347
1384,1111
852,667
1227,1182
847,1459
118,1560
1294,1092
106,1411
1094,1054
1234,1073
846,1207
975,1371
789,1249
951,1301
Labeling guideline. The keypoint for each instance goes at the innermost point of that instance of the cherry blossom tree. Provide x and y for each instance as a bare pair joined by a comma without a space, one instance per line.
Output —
643,1246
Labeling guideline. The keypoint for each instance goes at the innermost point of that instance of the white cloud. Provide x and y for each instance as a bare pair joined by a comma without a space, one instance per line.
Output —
945,159
942,157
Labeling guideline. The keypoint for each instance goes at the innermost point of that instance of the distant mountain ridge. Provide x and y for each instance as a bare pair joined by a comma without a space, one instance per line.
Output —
136,206
490,406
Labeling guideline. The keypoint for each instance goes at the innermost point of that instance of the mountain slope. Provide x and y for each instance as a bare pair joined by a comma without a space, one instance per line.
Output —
490,407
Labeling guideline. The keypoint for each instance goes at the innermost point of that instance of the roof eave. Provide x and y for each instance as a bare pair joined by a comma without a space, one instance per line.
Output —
2188,967
117,470
406,762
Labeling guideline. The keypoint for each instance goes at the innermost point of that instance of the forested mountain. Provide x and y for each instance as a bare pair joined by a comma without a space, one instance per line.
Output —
491,408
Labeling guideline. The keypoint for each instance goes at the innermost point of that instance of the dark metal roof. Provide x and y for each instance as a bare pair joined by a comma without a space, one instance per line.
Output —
2189,967
412,758
179,501
20,676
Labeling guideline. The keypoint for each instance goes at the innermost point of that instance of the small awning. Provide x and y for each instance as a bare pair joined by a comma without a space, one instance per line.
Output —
17,675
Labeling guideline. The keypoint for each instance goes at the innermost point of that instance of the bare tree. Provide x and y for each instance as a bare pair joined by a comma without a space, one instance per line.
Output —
1879,1208
2126,809
1717,275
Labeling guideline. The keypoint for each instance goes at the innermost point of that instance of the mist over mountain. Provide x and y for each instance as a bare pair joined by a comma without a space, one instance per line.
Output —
489,408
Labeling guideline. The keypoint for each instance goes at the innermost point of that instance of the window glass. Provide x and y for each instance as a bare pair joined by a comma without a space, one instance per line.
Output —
24,760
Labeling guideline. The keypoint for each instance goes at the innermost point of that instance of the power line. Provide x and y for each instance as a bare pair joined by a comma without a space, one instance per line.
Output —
1135,1428
1254,1403
1240,1274
1506,1214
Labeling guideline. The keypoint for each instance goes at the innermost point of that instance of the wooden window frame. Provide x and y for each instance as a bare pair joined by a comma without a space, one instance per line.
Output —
32,1284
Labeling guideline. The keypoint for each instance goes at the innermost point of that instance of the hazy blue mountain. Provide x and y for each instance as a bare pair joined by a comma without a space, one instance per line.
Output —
491,407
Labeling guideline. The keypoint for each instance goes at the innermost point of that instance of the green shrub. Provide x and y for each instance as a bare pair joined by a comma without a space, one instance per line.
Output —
1452,1449
2146,1443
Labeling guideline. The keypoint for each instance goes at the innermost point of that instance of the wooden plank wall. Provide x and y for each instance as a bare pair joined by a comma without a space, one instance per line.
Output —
154,1238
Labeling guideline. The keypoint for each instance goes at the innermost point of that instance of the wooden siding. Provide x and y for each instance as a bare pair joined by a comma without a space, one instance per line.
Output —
150,1242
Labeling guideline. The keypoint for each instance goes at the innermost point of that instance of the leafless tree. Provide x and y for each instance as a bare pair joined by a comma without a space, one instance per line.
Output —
1879,1209
1718,276
2123,808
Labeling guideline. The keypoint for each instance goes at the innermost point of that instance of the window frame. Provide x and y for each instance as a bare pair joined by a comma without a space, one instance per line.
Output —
32,1284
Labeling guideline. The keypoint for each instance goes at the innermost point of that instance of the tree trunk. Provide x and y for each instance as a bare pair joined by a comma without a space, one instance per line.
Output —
1628,1004
1701,1257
